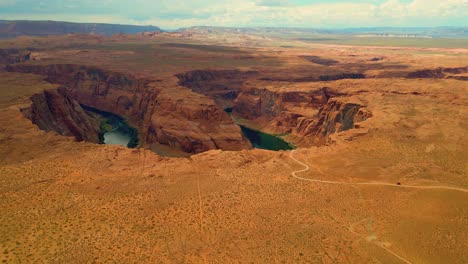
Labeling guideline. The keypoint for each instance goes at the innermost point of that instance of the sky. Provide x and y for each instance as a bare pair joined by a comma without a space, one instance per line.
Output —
172,14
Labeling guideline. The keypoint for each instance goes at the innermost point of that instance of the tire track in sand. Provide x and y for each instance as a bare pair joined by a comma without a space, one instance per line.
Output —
306,168
351,228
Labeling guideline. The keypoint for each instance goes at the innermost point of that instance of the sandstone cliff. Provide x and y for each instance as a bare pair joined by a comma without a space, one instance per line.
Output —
176,116
194,124
329,112
334,117
221,85
55,110
257,102
308,117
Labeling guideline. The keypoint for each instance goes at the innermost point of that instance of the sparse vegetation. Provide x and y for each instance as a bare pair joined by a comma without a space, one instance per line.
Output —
64,201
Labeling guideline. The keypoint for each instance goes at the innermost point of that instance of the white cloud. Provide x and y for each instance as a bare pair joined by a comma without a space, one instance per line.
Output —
7,2
273,3
238,13
256,13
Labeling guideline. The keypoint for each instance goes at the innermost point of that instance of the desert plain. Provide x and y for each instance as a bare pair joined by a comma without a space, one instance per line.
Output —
378,173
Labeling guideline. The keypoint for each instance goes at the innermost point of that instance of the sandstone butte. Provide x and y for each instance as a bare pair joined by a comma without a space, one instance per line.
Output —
378,175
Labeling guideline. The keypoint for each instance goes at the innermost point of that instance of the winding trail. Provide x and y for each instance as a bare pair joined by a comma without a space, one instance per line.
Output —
351,228
306,168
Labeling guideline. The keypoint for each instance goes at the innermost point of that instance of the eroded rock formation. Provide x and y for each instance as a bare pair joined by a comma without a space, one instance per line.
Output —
335,116
223,85
332,114
319,60
12,56
320,78
181,119
438,73
274,111
194,124
255,103
192,121
55,110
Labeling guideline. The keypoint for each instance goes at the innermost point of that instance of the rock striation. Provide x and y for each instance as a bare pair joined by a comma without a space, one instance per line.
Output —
221,85
274,111
55,110
334,117
334,114
174,116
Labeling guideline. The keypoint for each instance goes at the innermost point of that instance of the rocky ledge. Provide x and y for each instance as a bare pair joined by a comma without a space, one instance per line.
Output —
327,111
172,116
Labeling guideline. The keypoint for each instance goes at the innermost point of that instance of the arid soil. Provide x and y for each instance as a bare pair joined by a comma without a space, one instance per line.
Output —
370,134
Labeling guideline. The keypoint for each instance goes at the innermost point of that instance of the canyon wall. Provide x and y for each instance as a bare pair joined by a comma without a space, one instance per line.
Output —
254,103
12,56
328,110
223,86
333,117
103,90
438,73
334,113
319,78
190,120
181,118
276,111
55,110
194,123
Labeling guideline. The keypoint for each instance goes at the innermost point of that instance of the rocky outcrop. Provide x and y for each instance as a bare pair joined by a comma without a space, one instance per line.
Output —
271,110
321,78
55,110
459,78
377,59
195,79
194,124
275,111
104,90
319,60
255,102
223,85
432,74
342,76
179,118
459,70
438,73
12,56
335,116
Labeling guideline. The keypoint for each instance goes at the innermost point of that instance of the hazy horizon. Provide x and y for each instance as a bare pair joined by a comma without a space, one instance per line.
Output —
246,27
174,14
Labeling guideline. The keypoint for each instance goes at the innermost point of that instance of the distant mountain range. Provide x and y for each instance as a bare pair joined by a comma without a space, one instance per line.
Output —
11,29
15,28
434,32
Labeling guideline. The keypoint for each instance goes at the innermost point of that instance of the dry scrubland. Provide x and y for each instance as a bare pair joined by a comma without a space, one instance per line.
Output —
63,201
